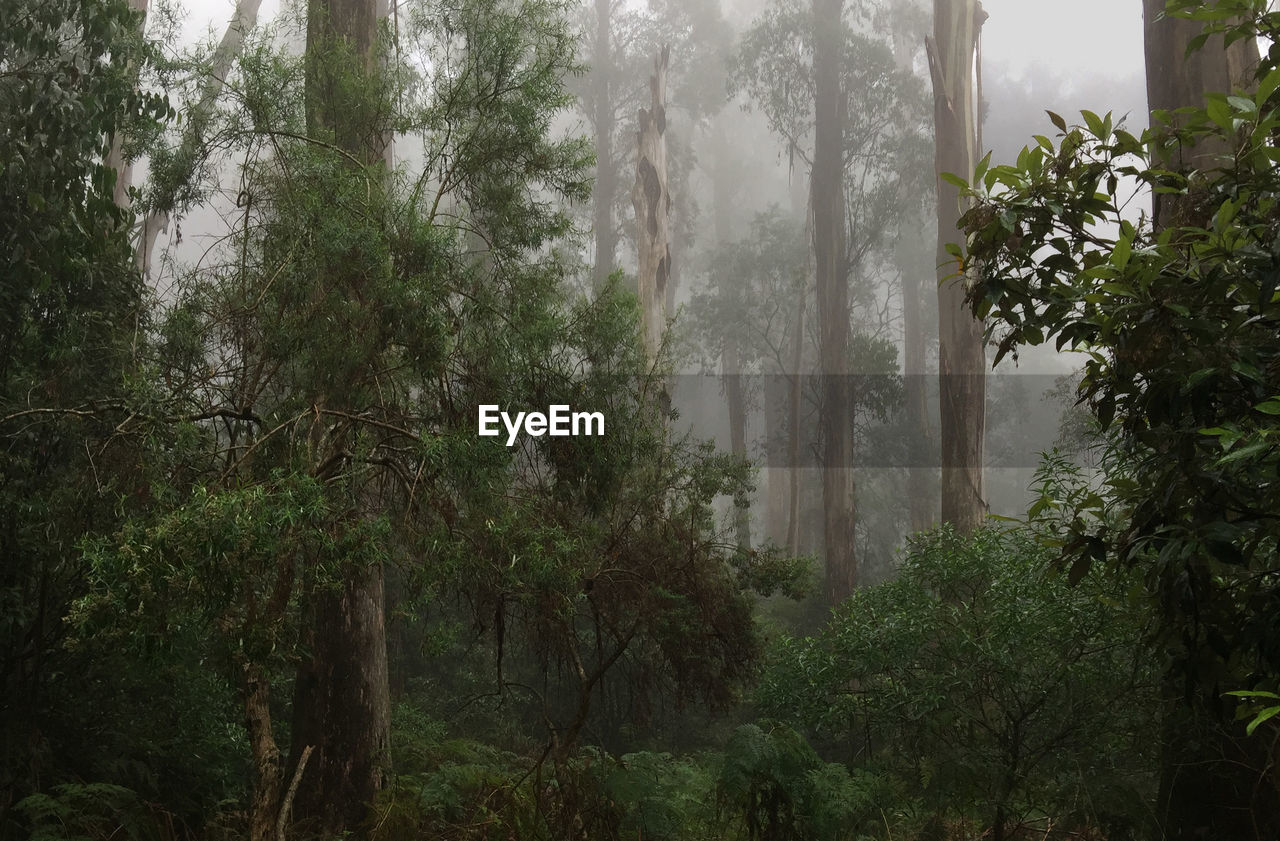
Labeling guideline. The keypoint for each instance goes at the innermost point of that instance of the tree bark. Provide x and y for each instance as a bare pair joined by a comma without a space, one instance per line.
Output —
342,694
652,202
342,705
961,357
606,184
827,195
1176,80
920,508
264,802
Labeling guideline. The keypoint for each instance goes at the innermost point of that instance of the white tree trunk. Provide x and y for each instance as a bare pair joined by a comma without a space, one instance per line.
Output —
652,203
157,219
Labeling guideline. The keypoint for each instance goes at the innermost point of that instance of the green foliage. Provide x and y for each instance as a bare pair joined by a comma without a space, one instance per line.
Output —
90,812
70,307
1179,325
774,787
980,681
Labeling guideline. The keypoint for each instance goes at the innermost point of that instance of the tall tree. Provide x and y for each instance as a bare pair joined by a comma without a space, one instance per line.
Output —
907,22
962,364
827,195
342,704
603,110
1177,78
651,198
1178,316
69,308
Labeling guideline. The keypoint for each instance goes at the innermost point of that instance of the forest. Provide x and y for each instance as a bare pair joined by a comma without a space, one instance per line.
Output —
639,420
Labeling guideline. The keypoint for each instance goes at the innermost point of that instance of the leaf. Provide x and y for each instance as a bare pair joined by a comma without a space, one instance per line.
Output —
954,180
1265,715
1079,570
1061,123
1094,122
1120,253
1267,86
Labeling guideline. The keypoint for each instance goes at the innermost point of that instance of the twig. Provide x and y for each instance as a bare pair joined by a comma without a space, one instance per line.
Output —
286,805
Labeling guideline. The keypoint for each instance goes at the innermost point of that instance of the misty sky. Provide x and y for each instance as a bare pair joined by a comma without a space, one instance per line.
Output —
1079,38
1082,37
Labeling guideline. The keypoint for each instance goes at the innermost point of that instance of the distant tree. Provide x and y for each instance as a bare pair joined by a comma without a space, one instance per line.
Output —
962,362
789,60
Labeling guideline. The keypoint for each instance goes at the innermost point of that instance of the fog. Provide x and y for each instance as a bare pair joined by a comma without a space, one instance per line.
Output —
1033,56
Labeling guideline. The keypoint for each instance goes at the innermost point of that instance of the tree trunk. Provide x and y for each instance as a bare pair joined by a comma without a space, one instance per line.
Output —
242,20
1176,80
342,705
795,399
1213,778
652,202
920,506
827,195
961,358
342,694
722,187
606,184
264,805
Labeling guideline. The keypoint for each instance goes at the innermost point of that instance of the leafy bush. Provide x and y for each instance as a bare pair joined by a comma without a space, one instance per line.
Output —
773,786
980,677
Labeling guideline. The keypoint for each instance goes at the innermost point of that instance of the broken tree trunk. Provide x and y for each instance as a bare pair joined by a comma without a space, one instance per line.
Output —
652,202
962,361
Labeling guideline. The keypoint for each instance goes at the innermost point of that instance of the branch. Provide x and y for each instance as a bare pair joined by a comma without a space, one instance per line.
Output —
287,804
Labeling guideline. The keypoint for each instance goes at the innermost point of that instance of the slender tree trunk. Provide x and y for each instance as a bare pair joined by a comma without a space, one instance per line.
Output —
268,773
794,404
652,202
606,184
242,20
1213,778
920,506
342,694
722,186
827,195
961,357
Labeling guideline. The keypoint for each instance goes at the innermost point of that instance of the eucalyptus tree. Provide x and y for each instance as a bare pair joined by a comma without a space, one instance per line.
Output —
620,43
829,84
962,361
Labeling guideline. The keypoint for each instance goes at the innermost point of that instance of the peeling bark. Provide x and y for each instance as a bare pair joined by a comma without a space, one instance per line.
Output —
652,202
962,360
